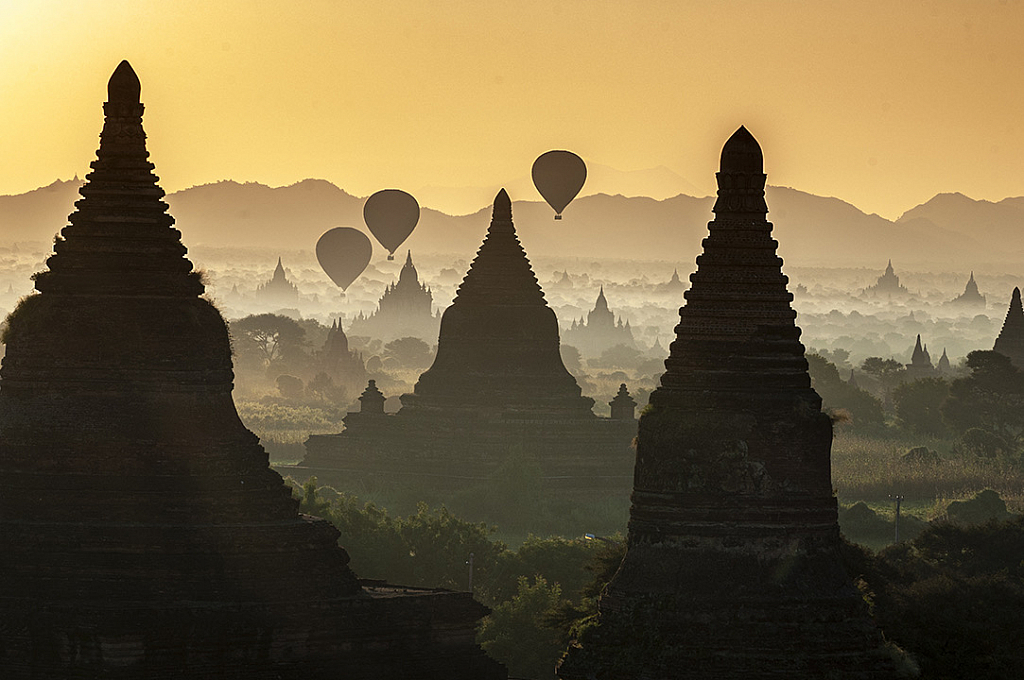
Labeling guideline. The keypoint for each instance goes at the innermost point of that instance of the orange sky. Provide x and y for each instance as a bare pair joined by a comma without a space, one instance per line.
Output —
882,103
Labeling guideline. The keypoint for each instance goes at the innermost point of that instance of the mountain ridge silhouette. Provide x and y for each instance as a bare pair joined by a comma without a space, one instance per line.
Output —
813,230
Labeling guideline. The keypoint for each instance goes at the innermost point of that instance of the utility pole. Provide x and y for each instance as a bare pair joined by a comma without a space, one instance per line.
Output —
899,500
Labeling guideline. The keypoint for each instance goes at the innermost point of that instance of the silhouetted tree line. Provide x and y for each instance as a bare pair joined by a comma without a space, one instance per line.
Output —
951,597
983,410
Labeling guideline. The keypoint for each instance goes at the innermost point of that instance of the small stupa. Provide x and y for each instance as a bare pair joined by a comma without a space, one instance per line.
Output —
142,531
732,568
943,366
971,294
920,365
1010,342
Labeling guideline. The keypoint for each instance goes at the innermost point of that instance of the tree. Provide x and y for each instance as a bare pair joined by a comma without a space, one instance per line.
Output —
570,358
919,406
410,352
889,372
270,336
952,597
836,394
519,633
991,398
618,356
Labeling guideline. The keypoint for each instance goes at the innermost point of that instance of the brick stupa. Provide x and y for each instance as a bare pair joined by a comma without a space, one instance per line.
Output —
732,567
142,532
1010,342
497,384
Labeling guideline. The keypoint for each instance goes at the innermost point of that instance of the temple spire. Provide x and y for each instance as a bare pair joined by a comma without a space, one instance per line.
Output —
1011,338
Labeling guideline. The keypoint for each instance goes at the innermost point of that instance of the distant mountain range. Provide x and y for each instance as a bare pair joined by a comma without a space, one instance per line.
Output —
950,229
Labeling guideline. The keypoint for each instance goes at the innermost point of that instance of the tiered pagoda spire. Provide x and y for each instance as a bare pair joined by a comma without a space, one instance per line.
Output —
142,531
732,561
1011,338
498,347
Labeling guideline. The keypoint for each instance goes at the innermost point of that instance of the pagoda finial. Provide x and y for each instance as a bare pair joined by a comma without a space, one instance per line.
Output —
502,207
741,176
408,258
742,153
124,86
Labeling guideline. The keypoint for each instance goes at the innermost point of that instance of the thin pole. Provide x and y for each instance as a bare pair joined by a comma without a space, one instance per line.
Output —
899,500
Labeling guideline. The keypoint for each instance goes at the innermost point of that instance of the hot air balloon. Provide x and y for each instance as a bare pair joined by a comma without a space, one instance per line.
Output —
343,253
559,176
391,215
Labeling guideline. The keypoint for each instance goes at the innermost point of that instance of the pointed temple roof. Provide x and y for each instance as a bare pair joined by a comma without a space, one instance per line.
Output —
733,532
971,293
920,357
943,365
138,516
1011,338
408,275
498,347
737,330
601,304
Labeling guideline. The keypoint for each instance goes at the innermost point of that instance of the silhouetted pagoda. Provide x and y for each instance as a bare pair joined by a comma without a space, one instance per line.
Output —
340,362
673,285
920,365
404,310
1010,342
278,291
600,331
497,384
943,366
732,568
142,532
971,294
887,284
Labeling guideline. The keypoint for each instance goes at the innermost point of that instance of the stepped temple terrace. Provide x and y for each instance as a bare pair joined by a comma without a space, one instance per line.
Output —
497,388
732,568
142,532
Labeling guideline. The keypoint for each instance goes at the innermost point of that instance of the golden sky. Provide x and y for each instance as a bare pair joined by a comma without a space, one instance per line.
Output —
881,103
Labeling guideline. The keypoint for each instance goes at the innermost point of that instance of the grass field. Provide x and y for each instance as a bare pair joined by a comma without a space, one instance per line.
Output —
870,469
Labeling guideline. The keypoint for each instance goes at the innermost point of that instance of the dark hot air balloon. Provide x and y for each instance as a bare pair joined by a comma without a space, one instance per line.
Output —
391,215
343,253
559,176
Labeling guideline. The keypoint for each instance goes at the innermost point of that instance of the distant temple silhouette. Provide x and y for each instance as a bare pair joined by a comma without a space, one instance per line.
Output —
732,567
887,284
971,294
404,310
339,362
142,531
497,387
278,291
943,366
600,331
920,365
673,285
1010,342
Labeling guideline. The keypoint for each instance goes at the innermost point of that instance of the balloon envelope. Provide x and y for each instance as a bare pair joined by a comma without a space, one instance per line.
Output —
559,176
391,215
343,253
